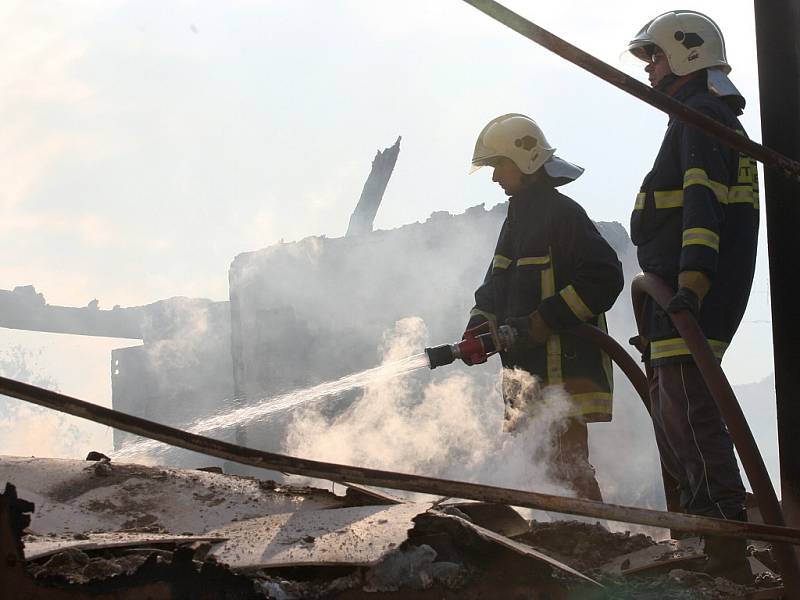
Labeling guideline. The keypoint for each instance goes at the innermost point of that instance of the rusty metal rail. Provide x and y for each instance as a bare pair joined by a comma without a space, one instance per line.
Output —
392,480
580,58
647,284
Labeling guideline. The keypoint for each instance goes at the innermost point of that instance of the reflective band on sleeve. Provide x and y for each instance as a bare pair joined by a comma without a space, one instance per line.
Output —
590,403
639,201
554,374
748,171
743,194
702,237
500,261
477,312
668,198
576,303
677,347
533,260
700,177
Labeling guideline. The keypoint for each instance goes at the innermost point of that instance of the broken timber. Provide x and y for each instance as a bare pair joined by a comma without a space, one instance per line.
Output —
388,479
364,214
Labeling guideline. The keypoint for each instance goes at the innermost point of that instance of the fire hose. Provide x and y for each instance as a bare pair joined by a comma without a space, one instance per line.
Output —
481,342
647,284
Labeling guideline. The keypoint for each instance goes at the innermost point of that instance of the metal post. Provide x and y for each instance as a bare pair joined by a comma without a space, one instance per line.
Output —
777,24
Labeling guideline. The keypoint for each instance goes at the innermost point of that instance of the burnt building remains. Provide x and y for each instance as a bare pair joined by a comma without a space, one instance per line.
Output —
299,314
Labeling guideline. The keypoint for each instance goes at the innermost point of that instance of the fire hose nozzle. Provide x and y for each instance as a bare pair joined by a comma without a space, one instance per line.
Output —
473,349
439,356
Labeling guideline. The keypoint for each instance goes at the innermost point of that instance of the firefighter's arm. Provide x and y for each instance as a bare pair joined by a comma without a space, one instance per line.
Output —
483,310
704,190
595,284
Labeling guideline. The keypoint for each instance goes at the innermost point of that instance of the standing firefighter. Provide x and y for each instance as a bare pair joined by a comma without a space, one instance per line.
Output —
551,271
695,224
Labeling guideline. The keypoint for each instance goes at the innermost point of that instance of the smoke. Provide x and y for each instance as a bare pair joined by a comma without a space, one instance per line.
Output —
449,427
26,429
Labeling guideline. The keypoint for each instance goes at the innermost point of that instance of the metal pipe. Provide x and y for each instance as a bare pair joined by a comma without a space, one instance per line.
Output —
777,24
392,480
714,377
659,100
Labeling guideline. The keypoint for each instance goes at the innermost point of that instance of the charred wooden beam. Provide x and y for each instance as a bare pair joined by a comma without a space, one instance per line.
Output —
382,166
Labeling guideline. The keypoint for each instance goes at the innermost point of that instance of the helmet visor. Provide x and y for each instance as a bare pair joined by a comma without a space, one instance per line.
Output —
487,161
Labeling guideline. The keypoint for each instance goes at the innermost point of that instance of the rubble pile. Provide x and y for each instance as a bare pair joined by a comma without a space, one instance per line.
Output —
268,540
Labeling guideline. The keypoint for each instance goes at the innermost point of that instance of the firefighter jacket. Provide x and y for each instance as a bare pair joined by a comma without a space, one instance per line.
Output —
551,258
697,210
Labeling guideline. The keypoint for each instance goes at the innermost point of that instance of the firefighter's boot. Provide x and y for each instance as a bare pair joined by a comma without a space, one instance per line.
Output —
727,557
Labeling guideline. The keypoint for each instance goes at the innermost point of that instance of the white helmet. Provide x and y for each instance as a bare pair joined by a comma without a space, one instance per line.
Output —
515,137
690,40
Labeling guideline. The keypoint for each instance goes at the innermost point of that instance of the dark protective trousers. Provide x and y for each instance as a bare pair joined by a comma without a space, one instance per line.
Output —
570,464
694,443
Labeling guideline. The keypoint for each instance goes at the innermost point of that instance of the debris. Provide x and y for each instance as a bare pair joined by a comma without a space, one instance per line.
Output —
356,536
351,553
476,540
211,469
37,547
71,498
412,568
362,495
582,545
665,555
499,518
95,455
102,469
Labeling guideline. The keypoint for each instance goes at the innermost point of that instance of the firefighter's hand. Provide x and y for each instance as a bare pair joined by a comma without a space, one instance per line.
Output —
697,281
522,325
477,321
685,299
531,329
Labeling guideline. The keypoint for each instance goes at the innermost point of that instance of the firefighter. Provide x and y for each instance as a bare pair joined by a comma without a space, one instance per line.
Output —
695,224
551,271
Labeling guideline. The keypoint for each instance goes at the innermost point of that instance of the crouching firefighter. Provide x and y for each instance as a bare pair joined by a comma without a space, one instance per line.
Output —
551,270
695,224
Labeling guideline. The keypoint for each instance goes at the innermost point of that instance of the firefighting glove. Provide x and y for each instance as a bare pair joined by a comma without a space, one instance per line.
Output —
685,299
531,329
692,288
474,322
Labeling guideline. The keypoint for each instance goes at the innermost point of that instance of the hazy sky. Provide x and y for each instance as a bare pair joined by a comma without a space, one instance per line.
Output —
144,144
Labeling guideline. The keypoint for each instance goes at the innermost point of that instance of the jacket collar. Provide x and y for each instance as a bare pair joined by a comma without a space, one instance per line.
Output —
684,87
535,192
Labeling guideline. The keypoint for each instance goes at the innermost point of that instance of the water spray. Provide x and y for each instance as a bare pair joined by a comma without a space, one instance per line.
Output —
478,345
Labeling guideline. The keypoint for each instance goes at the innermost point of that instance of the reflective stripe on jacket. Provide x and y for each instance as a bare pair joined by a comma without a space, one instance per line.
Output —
697,210
551,258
